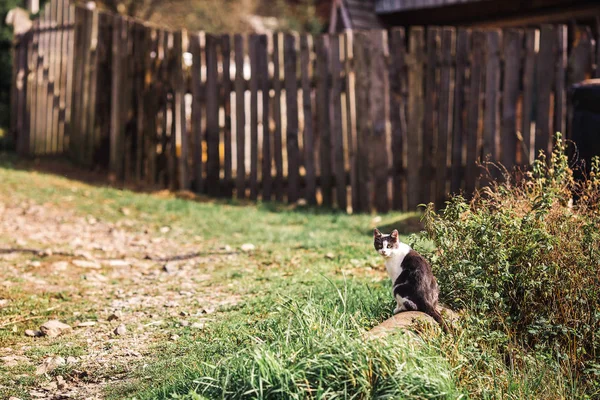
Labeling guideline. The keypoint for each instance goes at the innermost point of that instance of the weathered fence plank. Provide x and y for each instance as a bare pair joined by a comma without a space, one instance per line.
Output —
212,117
491,122
398,94
322,107
544,82
363,124
337,134
240,118
560,94
527,103
253,52
512,46
415,60
474,111
227,188
196,119
430,127
277,134
291,97
263,72
444,115
309,155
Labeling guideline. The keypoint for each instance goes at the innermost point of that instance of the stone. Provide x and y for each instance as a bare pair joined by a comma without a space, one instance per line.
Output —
86,264
170,268
60,266
50,364
86,324
165,229
54,328
72,360
406,320
248,247
118,263
330,256
174,337
184,323
32,333
13,361
120,330
13,398
197,325
115,316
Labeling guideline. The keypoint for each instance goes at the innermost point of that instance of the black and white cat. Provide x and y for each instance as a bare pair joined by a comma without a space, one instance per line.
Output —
414,286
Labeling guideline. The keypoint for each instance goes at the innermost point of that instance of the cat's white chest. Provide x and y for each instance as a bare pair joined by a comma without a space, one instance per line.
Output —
393,264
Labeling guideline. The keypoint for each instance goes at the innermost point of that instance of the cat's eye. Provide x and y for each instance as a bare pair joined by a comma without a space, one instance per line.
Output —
389,245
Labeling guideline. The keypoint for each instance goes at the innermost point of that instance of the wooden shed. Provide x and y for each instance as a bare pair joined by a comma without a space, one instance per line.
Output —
365,14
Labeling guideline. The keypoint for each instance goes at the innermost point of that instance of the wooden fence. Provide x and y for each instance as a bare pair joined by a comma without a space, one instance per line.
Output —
361,121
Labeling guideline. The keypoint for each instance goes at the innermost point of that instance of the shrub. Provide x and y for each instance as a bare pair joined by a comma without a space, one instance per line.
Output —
524,261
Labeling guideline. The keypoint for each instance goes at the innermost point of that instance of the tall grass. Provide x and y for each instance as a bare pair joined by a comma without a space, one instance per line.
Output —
313,347
524,262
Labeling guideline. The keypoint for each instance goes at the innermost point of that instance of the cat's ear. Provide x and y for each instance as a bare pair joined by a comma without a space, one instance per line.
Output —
394,234
376,233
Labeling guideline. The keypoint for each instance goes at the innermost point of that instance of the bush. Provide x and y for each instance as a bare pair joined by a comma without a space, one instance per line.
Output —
524,261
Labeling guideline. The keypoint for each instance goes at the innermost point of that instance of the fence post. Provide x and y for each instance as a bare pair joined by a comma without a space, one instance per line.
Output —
291,94
335,118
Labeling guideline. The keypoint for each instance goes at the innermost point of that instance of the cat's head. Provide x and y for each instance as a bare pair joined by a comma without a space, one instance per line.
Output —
385,244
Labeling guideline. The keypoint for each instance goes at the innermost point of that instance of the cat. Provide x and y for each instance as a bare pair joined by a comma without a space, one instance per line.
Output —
414,286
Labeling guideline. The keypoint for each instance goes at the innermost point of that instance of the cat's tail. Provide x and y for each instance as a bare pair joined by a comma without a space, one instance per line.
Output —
435,314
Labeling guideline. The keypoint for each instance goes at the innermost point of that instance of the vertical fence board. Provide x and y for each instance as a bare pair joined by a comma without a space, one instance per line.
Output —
291,95
322,107
474,111
491,121
430,125
398,115
263,72
363,125
226,98
337,134
463,48
527,107
445,115
68,97
560,95
212,117
513,42
179,118
351,118
378,117
309,156
544,82
253,52
240,118
196,120
277,134
415,61
115,166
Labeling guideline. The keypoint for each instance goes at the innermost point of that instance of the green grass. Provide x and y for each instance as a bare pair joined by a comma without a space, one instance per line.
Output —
298,331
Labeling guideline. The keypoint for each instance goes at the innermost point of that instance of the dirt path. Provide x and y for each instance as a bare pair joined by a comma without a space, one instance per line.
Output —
95,275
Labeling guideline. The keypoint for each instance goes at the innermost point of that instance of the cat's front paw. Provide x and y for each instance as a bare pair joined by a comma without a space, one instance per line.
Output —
397,310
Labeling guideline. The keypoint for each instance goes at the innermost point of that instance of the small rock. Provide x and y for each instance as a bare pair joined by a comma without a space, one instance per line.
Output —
355,262
50,364
86,324
60,382
45,253
171,304
86,264
35,264
126,211
115,316
13,398
3,302
197,325
54,328
330,256
208,310
60,265
247,247
184,323
91,220
32,333
50,386
170,268
13,361
184,313
174,337
165,229
120,330
34,393
226,248
72,360
118,263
